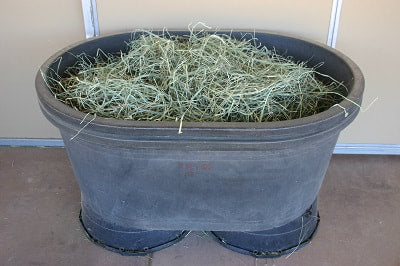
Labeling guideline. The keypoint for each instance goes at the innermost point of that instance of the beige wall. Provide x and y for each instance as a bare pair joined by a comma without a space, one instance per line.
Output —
369,34
32,30
309,18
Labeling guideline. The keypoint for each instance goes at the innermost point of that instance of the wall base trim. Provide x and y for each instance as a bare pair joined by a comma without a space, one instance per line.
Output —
361,148
340,148
32,142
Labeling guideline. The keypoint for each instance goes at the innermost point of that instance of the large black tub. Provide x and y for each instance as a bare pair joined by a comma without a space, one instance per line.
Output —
142,181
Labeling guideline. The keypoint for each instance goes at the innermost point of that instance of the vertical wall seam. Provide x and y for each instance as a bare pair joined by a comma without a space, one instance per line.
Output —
334,22
90,19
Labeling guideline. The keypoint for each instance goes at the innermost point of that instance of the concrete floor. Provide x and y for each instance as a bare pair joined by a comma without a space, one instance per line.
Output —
39,204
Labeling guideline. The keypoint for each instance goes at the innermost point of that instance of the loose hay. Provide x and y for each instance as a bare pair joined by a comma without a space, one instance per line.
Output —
200,77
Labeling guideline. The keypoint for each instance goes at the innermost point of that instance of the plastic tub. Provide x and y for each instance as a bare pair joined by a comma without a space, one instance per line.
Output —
233,176
273,242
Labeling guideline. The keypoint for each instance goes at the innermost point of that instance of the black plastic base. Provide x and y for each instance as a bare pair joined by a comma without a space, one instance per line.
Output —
274,242
132,242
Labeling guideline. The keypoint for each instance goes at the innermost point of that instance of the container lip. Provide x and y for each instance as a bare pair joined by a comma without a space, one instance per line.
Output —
47,98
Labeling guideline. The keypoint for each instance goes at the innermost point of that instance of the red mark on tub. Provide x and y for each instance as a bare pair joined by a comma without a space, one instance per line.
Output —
193,168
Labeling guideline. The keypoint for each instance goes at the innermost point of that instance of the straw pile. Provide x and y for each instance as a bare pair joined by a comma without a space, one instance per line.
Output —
200,77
